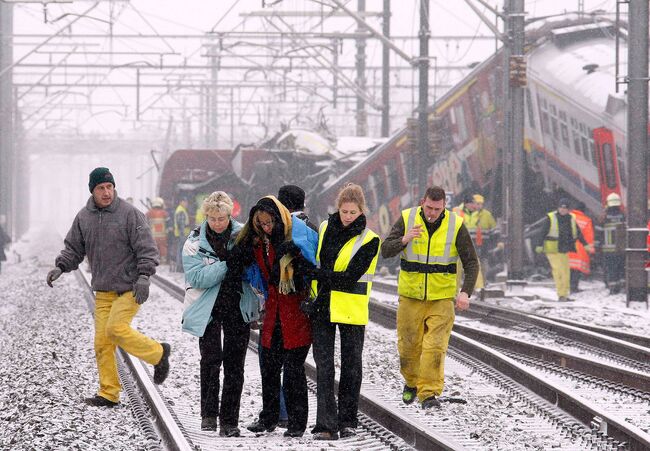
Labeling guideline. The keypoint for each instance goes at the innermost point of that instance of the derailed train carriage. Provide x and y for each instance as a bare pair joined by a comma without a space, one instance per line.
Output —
300,157
575,144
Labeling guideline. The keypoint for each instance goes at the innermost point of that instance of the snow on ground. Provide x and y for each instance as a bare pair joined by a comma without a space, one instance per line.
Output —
592,305
48,362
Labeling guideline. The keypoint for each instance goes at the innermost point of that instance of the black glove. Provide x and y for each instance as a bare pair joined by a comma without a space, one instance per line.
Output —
53,275
287,247
141,289
324,276
304,267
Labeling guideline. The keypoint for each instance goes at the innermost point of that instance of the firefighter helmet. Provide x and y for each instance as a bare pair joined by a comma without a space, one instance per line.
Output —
613,200
158,202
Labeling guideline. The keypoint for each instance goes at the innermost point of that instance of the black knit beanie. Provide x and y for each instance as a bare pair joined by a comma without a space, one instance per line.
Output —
100,175
292,197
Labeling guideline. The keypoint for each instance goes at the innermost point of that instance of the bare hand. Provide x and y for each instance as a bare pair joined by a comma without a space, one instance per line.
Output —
412,233
462,301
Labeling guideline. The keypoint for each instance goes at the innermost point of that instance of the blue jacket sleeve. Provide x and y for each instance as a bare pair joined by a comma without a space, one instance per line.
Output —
201,271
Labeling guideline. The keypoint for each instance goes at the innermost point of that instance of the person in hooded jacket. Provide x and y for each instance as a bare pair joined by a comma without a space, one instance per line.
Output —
215,269
347,255
286,332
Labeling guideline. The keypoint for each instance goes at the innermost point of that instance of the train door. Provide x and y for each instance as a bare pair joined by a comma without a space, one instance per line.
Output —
608,173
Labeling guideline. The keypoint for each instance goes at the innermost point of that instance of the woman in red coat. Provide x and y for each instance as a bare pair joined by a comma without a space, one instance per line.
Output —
286,332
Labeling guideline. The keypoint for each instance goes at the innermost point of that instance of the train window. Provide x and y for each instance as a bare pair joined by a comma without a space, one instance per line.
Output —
610,174
562,116
380,185
553,110
592,151
621,172
565,134
392,178
368,189
545,125
576,142
531,111
585,147
556,131
462,125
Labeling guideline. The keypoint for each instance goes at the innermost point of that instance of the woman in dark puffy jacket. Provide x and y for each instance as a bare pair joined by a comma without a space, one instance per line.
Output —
286,332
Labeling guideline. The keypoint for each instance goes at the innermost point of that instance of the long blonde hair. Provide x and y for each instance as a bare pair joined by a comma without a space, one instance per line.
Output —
351,192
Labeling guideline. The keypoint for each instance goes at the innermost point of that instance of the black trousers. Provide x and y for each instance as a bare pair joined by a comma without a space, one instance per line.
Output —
575,280
614,270
352,336
292,363
233,355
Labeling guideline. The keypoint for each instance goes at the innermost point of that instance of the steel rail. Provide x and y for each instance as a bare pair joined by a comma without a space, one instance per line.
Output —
583,410
165,424
603,338
633,346
390,418
601,370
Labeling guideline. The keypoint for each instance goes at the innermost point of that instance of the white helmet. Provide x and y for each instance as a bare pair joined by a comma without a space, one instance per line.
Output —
613,200
158,202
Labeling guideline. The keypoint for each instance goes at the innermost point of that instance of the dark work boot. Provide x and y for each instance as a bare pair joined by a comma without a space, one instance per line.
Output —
100,401
408,394
430,402
161,369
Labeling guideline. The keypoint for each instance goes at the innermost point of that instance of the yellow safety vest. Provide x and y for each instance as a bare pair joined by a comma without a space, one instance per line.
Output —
550,242
428,263
186,229
349,307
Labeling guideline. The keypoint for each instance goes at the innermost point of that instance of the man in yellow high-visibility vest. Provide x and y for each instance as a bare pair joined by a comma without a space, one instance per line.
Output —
430,240
557,238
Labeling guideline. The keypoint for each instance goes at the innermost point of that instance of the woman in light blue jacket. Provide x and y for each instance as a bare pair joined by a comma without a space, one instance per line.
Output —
213,273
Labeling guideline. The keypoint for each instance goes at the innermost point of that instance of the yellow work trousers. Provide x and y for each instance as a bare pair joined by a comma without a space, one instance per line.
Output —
423,330
480,283
113,315
561,272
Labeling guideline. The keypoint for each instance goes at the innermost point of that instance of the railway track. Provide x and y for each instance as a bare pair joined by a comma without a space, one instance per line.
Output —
515,358
377,417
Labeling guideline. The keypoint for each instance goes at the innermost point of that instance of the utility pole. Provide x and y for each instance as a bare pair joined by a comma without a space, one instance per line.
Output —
7,132
362,117
212,124
637,153
516,177
385,73
423,98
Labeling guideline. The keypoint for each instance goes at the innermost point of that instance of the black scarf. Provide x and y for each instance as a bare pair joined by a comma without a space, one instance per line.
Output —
336,236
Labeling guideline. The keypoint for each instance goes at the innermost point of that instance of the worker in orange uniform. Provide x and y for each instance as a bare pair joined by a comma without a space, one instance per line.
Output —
579,261
157,217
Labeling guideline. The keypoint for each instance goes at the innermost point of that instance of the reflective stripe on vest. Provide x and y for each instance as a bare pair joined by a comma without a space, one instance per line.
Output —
550,242
350,306
428,264
609,236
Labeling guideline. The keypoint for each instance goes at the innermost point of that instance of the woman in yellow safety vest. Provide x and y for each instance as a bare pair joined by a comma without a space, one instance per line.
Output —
346,256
